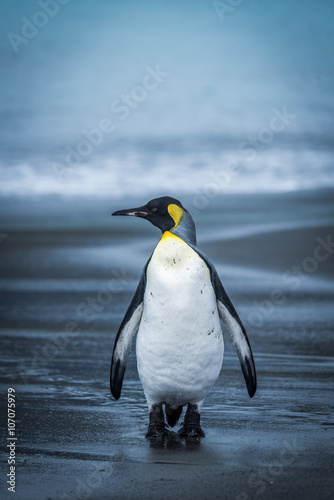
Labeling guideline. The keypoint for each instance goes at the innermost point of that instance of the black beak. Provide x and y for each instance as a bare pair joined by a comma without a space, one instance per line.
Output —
136,212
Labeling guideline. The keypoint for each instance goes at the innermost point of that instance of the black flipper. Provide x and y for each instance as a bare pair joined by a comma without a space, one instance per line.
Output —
125,336
230,318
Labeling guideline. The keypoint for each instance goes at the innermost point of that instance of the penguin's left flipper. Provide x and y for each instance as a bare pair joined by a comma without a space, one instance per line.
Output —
230,318
125,336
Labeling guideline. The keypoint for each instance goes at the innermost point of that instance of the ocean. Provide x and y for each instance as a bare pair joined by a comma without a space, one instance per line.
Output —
201,168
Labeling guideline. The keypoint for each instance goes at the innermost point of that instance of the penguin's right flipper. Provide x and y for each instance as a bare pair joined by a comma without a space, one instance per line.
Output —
124,337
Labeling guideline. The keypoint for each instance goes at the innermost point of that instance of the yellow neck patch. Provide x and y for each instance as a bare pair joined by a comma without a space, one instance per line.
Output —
168,234
176,213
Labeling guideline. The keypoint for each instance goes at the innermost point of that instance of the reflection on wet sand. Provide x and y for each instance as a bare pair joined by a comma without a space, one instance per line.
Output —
75,441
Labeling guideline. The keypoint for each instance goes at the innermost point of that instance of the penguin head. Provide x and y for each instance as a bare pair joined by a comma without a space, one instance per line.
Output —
167,214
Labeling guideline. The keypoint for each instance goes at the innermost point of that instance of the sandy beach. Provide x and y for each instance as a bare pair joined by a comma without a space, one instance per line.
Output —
65,285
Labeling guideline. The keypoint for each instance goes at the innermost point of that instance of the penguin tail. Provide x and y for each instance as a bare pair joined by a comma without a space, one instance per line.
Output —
173,414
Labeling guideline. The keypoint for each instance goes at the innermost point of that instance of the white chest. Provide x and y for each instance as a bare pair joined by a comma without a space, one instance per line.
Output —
179,343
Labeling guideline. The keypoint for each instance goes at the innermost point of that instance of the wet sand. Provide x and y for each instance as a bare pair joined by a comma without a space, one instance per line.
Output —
75,442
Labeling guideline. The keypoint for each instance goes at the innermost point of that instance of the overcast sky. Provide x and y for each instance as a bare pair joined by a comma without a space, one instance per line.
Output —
226,72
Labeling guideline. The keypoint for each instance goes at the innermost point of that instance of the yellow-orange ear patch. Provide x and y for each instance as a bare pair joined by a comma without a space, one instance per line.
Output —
176,213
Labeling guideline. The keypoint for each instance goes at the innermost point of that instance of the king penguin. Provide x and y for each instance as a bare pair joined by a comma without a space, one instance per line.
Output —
176,313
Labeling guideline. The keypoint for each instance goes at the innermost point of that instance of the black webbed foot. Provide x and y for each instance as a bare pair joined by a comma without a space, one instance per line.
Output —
157,428
191,427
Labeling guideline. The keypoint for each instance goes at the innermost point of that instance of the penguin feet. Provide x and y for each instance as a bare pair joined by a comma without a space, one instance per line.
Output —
157,428
157,431
191,427
194,431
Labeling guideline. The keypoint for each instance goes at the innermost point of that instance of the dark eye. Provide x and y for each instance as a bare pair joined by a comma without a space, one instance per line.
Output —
154,209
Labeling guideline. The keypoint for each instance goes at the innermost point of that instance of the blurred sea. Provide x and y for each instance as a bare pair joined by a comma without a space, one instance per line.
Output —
236,105
151,167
